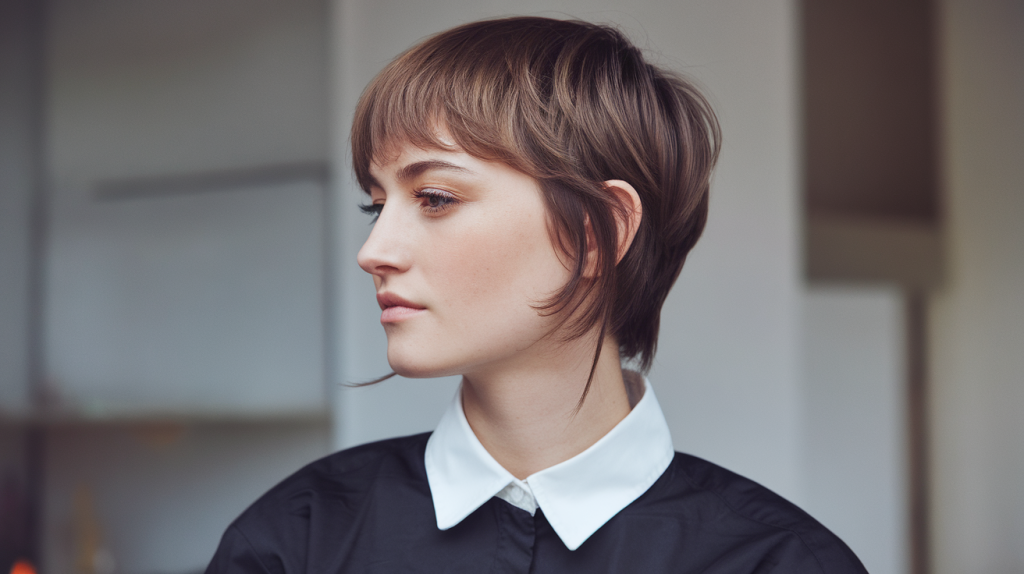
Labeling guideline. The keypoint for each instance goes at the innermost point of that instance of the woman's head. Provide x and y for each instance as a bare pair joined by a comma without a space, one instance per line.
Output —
571,105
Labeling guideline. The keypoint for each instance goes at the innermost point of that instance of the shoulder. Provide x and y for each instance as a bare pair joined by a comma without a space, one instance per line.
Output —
352,470
746,521
275,529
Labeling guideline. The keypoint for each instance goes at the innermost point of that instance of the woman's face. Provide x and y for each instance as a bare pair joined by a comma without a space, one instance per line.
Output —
460,254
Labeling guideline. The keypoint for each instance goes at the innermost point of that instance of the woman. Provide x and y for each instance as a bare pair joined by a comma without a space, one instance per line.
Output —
536,187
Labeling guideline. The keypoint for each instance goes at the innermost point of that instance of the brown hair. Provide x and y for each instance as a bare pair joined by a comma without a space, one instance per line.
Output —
572,104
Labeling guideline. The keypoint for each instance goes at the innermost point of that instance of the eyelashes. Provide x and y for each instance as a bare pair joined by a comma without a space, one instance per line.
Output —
433,202
373,209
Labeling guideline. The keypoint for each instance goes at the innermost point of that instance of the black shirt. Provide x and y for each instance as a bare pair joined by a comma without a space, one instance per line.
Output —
368,509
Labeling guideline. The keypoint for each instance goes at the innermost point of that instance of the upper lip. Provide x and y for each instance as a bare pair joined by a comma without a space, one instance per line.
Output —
386,300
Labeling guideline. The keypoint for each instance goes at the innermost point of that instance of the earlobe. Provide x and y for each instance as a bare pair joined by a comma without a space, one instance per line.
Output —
629,200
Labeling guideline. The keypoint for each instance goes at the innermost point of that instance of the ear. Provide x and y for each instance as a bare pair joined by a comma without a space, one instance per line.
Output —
629,199
627,222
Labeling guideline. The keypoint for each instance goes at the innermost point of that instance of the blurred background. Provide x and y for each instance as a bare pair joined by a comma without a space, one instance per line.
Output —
180,303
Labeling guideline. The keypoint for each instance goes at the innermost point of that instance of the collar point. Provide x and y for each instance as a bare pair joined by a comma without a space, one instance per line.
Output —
572,546
446,524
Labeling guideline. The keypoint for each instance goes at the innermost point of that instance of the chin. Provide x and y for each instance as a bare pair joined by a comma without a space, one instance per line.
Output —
417,367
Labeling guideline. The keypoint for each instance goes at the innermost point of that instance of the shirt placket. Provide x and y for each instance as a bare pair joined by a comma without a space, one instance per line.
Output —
516,539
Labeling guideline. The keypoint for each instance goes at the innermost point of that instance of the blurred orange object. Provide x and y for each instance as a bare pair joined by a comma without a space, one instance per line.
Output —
23,567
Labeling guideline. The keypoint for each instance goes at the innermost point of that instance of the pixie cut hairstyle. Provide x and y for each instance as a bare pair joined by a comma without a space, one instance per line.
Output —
572,104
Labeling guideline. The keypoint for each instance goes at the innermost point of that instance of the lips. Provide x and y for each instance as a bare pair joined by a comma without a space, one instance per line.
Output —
394,308
386,300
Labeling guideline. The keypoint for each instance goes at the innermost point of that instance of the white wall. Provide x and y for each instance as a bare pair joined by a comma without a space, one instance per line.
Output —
855,426
727,371
977,320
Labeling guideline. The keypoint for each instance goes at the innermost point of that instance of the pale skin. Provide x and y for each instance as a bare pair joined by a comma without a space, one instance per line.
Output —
460,255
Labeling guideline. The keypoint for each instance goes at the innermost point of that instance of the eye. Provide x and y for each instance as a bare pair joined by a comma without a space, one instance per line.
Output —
436,201
373,209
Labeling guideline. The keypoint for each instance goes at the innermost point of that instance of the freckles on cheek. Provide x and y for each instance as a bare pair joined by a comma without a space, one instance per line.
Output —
478,259
486,263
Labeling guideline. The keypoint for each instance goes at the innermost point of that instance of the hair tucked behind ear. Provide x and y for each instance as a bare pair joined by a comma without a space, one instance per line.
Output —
573,105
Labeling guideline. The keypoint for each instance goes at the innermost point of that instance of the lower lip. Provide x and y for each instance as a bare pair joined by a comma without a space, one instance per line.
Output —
398,313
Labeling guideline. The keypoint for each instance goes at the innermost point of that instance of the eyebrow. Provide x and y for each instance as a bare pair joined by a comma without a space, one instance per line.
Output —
420,167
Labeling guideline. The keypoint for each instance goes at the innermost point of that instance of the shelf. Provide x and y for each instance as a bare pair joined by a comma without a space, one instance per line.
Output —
862,250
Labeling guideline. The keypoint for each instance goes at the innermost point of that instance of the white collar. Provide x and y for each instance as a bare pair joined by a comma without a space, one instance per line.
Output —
578,495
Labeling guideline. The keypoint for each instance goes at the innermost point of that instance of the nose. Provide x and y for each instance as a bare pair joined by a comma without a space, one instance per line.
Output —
385,251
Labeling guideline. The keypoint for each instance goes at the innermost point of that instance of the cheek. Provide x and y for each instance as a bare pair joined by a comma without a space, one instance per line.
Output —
497,268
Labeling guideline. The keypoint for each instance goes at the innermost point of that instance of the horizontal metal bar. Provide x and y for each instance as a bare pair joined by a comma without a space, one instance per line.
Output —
210,181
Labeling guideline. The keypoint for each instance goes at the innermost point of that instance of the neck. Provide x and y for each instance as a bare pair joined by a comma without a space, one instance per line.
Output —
524,415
